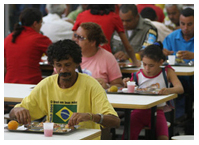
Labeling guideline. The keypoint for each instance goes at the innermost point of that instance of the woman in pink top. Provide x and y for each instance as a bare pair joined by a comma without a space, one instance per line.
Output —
109,21
96,61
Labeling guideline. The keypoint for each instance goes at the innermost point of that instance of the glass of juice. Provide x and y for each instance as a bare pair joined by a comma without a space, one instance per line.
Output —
48,129
131,87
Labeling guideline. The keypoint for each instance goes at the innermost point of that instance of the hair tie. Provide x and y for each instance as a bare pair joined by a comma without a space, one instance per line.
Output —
20,23
156,43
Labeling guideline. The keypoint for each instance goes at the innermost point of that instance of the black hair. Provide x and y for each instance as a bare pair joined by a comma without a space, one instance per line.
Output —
101,9
148,13
27,17
154,51
188,12
125,8
62,50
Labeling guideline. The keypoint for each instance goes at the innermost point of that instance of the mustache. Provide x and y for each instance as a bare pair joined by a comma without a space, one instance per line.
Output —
65,74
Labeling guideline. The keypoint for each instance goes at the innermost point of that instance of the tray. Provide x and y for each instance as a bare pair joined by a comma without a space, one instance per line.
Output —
39,130
179,64
126,65
141,93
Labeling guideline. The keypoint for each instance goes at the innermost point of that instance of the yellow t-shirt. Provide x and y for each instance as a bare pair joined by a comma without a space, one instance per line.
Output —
58,104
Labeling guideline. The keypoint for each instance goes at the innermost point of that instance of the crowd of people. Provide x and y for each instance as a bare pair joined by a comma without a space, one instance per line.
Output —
95,37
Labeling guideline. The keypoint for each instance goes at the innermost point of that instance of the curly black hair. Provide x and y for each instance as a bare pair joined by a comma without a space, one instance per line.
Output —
62,50
154,51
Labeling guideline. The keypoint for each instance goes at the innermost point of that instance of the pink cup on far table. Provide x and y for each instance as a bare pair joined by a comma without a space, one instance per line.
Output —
131,87
48,129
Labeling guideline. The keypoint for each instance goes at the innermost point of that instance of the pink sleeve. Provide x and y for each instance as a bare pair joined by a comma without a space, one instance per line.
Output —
113,69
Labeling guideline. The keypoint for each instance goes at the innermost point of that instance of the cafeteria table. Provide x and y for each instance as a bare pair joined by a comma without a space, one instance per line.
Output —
179,70
129,102
79,134
14,93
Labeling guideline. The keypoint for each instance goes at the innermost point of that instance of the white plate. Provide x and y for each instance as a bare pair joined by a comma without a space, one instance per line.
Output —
125,90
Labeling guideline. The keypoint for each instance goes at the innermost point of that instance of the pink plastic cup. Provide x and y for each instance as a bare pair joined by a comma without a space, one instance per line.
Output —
131,87
48,129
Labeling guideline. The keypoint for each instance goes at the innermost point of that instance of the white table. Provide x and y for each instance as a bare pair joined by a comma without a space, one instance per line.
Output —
179,70
14,93
79,134
129,102
183,137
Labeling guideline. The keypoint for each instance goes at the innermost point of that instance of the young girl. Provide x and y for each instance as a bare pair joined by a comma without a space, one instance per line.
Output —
153,58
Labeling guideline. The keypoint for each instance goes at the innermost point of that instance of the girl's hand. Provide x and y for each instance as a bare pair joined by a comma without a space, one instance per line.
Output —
164,91
125,80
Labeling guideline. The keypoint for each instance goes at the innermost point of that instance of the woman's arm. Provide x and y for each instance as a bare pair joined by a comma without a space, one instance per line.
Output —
117,82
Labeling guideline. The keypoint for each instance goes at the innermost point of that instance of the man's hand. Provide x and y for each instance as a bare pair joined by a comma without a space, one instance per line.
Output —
185,55
121,55
167,52
76,118
21,114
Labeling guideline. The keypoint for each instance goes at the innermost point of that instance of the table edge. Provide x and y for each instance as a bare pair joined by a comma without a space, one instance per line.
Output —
130,106
92,136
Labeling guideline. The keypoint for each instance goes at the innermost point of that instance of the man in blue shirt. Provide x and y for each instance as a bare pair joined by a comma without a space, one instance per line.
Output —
181,43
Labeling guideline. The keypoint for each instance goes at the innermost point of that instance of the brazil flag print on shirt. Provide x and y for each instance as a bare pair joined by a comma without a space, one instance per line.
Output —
61,111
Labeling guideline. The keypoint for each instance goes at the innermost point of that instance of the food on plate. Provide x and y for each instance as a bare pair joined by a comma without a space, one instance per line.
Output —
177,54
56,125
40,125
122,64
67,127
179,60
61,130
13,125
113,89
152,89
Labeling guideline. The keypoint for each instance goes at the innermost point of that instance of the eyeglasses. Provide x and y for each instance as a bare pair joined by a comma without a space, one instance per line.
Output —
81,38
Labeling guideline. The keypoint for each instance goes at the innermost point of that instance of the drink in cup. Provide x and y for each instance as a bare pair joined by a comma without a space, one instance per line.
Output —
172,59
48,129
131,87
